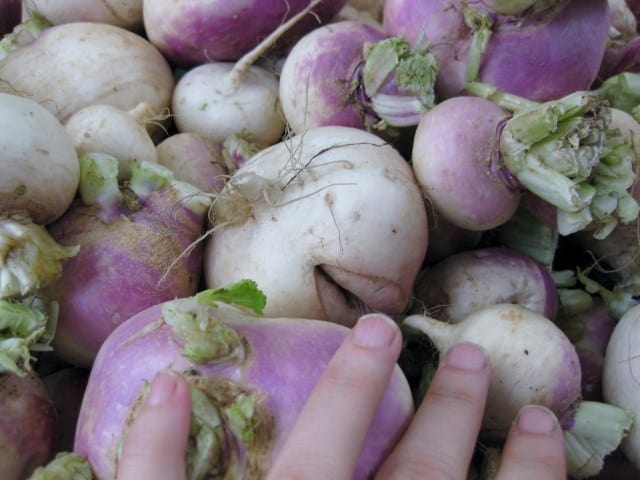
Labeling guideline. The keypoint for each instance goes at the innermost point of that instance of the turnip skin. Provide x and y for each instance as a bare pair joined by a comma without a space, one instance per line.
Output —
122,13
620,376
310,208
467,190
35,150
129,259
532,360
110,130
206,101
524,56
26,425
463,282
351,73
285,357
53,69
190,32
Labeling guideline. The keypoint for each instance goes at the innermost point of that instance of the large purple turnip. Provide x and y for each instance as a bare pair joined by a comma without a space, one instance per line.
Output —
135,251
532,53
249,377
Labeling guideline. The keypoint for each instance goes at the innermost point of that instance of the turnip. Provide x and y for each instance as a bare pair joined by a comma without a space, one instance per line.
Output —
135,251
110,130
195,32
620,376
35,152
447,239
533,362
561,151
352,74
330,223
249,379
122,13
196,160
467,281
73,65
27,425
526,55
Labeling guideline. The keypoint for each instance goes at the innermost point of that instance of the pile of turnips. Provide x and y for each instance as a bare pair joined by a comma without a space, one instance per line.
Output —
224,188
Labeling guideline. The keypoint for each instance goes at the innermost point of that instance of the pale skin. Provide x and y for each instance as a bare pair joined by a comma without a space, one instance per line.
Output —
438,444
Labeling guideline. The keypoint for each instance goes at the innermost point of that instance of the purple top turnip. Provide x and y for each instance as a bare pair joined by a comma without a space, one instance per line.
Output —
136,249
195,32
527,55
250,375
351,73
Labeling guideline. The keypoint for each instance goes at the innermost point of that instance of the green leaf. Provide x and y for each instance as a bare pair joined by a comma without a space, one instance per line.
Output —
244,293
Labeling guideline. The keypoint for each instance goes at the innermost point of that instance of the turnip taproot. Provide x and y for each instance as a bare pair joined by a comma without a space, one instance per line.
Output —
69,66
330,223
353,74
249,379
135,251
525,54
35,152
533,362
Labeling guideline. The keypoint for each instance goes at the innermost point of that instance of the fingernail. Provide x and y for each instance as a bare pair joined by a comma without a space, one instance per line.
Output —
466,356
162,389
536,419
374,331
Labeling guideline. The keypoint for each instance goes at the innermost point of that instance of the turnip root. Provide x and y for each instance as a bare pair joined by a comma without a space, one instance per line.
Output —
352,74
620,376
36,152
191,32
110,130
467,281
533,362
135,251
526,53
330,223
562,151
122,13
196,160
210,101
26,425
249,379
74,65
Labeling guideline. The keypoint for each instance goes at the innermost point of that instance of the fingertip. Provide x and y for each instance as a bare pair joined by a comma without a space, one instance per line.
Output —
536,419
165,388
375,330
466,356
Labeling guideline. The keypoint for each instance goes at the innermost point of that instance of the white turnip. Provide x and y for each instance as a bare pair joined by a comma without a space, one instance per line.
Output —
534,362
467,281
72,65
135,251
330,223
110,130
620,384
353,74
249,379
35,152
122,13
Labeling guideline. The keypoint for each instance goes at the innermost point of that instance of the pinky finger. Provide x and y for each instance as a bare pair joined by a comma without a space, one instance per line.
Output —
534,449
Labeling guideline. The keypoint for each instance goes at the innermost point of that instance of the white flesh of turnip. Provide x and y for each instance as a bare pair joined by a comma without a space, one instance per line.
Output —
122,13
